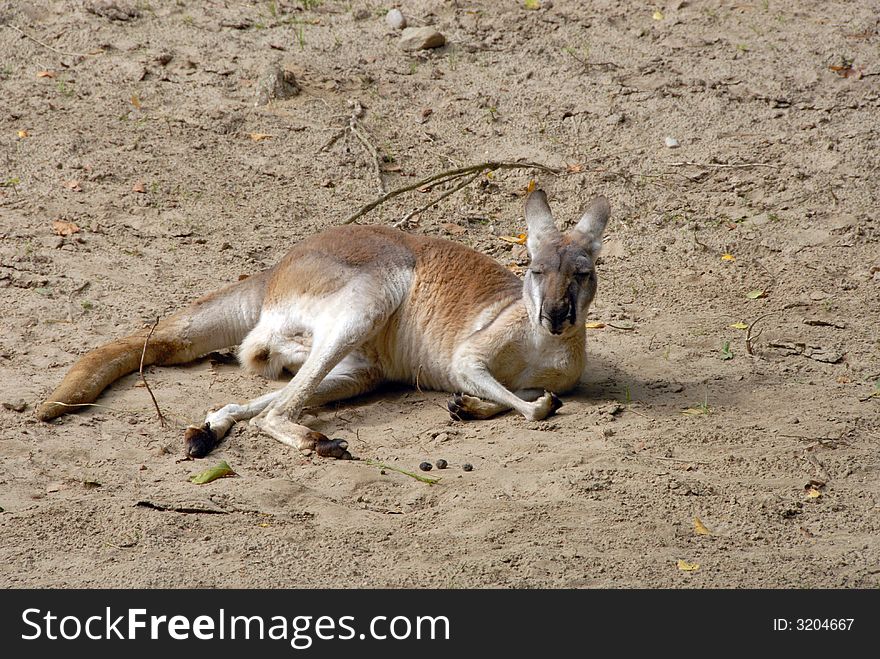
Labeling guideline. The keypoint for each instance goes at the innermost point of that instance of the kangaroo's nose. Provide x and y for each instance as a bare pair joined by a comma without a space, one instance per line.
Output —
557,315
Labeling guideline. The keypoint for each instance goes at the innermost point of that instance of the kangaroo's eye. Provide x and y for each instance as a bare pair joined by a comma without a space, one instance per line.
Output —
536,271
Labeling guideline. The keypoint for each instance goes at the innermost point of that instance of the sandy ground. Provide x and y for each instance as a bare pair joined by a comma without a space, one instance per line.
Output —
141,127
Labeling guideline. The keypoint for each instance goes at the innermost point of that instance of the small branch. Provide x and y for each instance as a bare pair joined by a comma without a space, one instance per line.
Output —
749,336
446,176
45,45
421,209
741,165
144,379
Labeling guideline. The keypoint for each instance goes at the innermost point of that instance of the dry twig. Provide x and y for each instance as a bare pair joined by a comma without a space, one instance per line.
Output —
446,177
45,45
144,379
749,336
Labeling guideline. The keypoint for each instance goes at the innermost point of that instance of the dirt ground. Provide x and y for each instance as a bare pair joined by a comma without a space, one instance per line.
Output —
139,123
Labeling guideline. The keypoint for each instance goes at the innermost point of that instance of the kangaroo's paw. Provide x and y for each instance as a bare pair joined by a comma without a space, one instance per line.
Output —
545,406
466,408
458,407
301,437
200,440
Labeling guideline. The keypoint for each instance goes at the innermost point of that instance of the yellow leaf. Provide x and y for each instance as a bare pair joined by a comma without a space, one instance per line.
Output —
23,134
700,528
516,240
813,493
135,101
259,137
530,188
687,567
532,4
595,325
263,525
657,15
695,411
728,257
62,228
740,326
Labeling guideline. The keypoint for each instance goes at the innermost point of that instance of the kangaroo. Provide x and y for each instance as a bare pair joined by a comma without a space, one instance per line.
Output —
354,306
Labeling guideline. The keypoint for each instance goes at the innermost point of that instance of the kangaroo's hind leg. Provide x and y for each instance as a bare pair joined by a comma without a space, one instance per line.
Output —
354,375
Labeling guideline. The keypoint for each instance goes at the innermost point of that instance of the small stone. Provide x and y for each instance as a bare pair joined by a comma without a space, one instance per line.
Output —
426,466
671,142
467,466
17,406
442,464
395,19
614,119
442,437
276,83
113,10
421,38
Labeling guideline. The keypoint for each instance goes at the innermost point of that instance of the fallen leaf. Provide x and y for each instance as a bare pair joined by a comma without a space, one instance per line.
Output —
62,228
658,15
728,257
740,326
696,411
700,528
453,228
684,566
23,134
530,188
46,74
259,137
594,325
139,186
725,351
73,185
532,4
574,168
264,525
813,493
135,101
212,474
516,240
754,295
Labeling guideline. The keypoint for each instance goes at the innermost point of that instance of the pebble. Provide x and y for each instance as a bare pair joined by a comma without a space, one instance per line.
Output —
16,406
442,464
671,142
395,19
276,83
467,466
614,119
421,38
426,466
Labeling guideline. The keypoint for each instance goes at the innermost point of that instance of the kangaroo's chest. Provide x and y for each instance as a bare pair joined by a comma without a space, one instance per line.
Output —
552,364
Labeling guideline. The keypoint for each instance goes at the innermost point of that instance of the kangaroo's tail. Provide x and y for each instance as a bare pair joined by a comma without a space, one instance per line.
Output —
218,320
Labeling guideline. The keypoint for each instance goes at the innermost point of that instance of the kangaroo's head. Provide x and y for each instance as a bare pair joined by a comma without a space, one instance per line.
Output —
561,280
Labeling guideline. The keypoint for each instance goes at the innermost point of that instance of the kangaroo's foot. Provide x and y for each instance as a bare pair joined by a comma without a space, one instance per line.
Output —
200,440
301,437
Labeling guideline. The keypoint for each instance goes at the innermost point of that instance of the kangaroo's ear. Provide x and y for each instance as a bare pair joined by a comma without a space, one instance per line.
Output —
591,226
539,220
